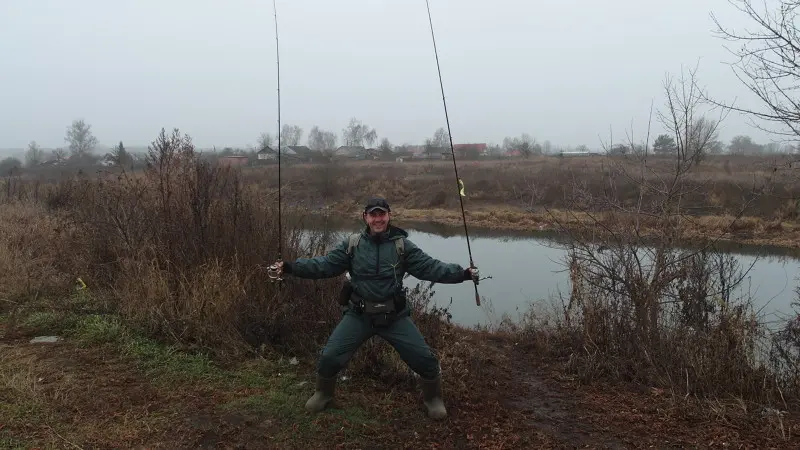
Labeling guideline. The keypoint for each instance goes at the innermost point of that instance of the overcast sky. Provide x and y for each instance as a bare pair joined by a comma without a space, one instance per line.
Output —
564,71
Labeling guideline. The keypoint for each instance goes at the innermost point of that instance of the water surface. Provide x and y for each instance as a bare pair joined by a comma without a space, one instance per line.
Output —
528,270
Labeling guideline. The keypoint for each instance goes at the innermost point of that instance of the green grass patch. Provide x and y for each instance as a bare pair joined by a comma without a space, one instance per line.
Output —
41,320
38,316
47,322
162,363
97,329
282,392
170,363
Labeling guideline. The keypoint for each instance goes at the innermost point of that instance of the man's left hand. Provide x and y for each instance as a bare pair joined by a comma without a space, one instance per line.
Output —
474,274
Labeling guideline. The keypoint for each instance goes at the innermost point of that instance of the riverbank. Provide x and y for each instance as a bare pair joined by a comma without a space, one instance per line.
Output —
751,231
546,193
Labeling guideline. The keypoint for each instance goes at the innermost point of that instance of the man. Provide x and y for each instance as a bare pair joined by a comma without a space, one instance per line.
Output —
377,264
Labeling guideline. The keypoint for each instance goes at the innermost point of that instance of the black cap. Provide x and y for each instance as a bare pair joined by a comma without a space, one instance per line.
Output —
377,203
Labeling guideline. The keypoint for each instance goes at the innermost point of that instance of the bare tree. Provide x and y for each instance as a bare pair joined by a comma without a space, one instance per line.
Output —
357,134
437,143
265,140
626,259
695,134
744,145
59,154
385,148
34,155
321,140
526,145
768,62
291,135
440,138
80,139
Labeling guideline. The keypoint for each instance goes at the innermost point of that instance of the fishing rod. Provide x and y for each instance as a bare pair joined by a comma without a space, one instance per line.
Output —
459,182
273,272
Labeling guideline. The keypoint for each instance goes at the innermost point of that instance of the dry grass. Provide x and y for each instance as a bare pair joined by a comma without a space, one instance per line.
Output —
35,252
537,182
177,253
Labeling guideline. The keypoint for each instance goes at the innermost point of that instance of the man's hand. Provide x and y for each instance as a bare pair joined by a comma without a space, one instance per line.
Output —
275,270
473,274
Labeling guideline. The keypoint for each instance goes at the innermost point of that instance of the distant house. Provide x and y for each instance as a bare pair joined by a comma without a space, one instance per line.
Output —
372,153
417,151
402,155
351,151
297,152
267,154
234,161
470,151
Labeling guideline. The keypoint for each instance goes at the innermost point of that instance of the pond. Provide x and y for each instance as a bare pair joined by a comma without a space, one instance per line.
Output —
528,270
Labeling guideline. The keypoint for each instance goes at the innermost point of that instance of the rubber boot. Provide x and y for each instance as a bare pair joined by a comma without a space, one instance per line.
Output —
323,394
432,397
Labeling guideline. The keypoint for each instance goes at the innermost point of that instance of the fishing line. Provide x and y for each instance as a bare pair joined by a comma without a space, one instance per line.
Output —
459,183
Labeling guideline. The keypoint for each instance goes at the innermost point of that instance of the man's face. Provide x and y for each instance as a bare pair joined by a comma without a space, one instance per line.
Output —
377,220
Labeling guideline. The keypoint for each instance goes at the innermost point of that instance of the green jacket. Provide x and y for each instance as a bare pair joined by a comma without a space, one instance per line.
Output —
376,269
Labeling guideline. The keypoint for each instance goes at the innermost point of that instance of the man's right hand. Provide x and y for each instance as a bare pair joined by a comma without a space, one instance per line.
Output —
276,269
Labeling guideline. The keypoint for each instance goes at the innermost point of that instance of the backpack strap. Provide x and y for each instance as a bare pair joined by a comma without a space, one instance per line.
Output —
400,245
355,238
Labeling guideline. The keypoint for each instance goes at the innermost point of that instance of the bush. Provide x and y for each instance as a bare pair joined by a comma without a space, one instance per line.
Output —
183,248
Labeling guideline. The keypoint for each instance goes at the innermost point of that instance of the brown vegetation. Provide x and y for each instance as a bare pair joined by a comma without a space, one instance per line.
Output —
535,182
524,194
177,293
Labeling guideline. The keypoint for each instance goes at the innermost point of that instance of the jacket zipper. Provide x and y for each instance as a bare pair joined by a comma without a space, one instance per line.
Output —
378,259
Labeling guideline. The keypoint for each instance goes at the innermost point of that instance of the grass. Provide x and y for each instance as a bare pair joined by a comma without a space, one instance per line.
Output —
259,390
170,395
176,336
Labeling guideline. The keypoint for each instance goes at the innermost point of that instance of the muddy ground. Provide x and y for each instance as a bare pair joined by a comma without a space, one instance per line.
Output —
90,391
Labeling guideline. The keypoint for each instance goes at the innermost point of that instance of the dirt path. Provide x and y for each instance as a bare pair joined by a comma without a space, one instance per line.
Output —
68,395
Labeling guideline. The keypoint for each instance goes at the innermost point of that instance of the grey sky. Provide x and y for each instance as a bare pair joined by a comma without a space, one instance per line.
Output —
561,71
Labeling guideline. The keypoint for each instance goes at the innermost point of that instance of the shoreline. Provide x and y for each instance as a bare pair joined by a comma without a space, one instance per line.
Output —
782,236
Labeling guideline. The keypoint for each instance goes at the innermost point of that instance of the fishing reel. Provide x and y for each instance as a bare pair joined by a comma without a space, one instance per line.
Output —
274,272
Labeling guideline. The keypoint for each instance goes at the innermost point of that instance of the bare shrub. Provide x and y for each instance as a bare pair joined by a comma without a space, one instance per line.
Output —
785,350
183,247
700,340
644,306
